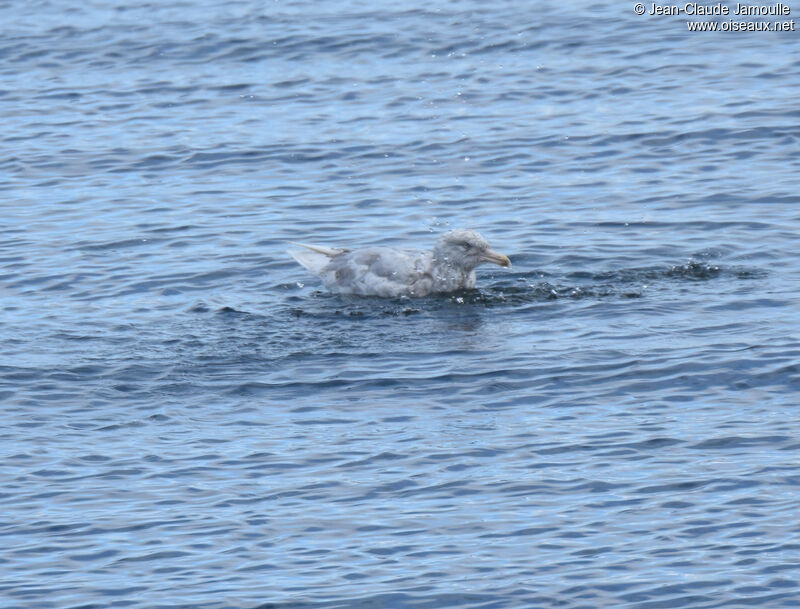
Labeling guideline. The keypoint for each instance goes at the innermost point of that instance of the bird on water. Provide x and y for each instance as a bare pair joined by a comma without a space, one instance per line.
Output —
392,273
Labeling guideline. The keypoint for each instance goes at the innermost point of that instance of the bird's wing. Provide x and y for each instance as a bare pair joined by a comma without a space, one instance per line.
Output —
377,271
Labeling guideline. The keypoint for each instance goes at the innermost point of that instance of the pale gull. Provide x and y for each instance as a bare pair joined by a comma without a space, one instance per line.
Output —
392,273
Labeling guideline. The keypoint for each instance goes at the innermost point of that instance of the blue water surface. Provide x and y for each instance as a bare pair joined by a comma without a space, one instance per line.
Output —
190,420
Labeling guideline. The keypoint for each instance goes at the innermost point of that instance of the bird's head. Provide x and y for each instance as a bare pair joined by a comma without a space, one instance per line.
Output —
466,249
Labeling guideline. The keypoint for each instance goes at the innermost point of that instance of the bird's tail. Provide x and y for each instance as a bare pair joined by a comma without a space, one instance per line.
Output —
314,257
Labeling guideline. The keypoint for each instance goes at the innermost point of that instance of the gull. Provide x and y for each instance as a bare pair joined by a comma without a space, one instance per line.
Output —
391,273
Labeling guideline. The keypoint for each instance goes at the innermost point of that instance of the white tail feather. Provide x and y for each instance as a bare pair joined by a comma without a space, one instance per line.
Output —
317,256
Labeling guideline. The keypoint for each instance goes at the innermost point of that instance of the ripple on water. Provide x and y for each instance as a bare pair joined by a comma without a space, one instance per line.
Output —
610,423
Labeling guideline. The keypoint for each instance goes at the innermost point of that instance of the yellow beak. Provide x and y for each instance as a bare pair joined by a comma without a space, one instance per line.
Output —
496,258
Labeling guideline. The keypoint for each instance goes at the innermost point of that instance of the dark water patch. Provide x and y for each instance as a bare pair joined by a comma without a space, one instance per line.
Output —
735,442
396,601
121,244
693,270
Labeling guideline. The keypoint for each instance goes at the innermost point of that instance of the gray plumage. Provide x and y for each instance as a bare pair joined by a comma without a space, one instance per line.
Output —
390,272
